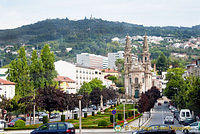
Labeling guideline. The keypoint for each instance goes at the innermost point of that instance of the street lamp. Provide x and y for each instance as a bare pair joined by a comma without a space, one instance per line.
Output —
80,115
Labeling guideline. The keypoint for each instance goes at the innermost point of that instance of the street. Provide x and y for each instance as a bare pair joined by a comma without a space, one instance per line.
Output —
157,117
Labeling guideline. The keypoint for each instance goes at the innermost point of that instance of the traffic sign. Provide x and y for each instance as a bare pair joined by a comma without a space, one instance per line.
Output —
118,128
114,112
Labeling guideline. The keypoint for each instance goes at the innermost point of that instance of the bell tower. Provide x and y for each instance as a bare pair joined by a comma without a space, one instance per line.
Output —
146,62
127,67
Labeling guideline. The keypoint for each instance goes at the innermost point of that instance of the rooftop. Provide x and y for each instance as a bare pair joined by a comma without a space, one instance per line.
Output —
64,79
5,82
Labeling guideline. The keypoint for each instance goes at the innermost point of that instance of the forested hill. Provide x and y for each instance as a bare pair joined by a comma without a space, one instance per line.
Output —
87,29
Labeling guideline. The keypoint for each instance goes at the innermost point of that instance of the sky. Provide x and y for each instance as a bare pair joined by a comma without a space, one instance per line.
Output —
15,13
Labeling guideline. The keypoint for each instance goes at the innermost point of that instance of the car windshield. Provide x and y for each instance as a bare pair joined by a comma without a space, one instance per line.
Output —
187,114
183,114
14,120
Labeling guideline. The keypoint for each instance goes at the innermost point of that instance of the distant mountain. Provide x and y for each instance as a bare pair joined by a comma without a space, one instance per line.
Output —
70,30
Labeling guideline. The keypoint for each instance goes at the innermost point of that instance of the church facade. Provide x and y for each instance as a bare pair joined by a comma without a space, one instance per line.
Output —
138,75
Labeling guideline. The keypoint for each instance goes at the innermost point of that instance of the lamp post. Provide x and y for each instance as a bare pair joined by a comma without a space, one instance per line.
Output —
80,114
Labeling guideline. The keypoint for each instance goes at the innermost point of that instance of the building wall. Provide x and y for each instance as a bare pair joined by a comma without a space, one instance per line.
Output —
7,90
92,60
3,74
68,87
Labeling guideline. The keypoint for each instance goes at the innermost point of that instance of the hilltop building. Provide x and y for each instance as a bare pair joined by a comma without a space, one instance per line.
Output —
138,76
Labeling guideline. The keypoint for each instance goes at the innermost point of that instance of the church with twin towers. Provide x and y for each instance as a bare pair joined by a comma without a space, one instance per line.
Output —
138,75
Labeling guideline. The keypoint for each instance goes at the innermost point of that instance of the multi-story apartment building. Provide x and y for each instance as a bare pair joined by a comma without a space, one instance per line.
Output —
112,57
92,60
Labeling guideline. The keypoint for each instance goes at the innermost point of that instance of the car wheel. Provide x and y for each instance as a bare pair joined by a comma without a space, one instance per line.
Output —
185,131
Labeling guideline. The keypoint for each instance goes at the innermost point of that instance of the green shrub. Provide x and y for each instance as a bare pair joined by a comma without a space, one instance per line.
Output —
99,113
75,116
45,119
114,105
106,110
85,115
62,118
136,112
126,115
20,123
92,113
111,107
120,117
102,123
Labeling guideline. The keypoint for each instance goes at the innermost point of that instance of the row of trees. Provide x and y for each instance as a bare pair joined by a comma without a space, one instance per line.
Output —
183,91
148,99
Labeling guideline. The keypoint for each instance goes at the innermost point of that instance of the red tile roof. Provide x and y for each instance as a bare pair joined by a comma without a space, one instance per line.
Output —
64,79
109,71
5,82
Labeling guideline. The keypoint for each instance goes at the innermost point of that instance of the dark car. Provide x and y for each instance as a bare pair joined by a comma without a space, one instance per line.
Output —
159,104
55,128
156,129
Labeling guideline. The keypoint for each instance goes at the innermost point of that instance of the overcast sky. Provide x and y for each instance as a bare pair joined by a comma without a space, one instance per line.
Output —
15,13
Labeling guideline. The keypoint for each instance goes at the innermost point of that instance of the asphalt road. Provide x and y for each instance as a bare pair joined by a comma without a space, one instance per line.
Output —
158,114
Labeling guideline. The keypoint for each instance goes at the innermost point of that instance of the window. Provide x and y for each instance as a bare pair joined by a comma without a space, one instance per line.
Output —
136,80
187,114
52,126
145,58
183,114
61,126
43,127
143,80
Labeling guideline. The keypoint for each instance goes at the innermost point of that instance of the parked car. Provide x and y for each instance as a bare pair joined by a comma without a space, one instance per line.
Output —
184,114
42,115
12,122
84,110
192,128
21,118
169,120
55,128
176,114
156,129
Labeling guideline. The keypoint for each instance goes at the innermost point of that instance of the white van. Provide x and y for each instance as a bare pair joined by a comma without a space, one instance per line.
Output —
184,114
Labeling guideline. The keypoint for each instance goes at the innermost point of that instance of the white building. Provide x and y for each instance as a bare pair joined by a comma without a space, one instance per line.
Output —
78,73
92,60
112,57
7,88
